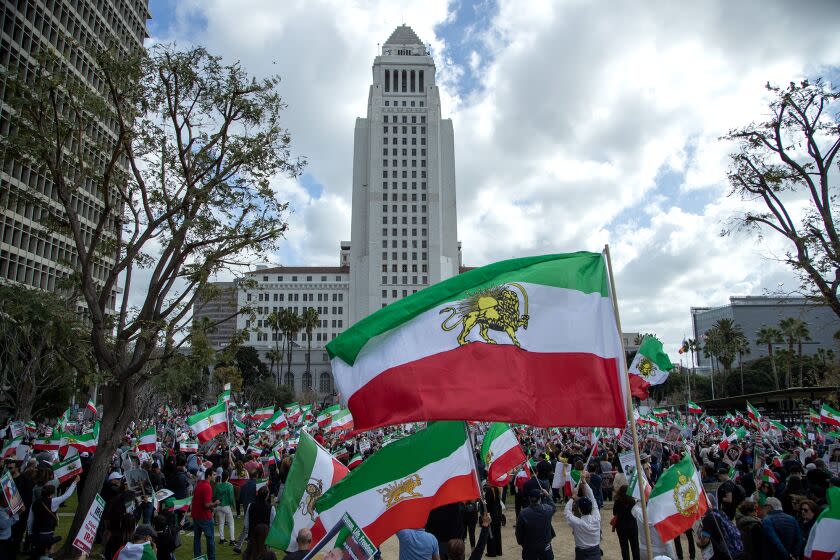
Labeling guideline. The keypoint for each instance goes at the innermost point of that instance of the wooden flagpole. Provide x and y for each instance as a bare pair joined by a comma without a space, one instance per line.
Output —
630,419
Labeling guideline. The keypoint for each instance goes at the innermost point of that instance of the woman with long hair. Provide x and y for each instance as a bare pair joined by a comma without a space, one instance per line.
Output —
256,549
624,524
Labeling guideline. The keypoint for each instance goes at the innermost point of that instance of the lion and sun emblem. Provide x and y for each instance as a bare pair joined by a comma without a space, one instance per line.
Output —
493,309
686,495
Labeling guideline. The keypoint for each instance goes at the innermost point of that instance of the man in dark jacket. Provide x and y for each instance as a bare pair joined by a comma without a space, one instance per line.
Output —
782,536
446,523
178,482
533,526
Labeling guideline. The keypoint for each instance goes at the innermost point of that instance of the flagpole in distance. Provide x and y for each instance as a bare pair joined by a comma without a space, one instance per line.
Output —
630,419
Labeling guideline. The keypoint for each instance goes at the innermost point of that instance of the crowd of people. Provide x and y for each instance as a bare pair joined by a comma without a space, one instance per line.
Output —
764,492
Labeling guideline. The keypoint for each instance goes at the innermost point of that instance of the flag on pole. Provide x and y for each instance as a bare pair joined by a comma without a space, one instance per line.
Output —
415,359
694,408
829,416
767,475
225,396
49,443
189,446
677,500
777,426
263,413
91,406
398,486
238,426
148,440
276,422
753,414
86,442
500,452
208,424
341,420
660,412
10,447
813,416
182,505
325,415
740,433
355,461
824,539
313,472
650,366
67,469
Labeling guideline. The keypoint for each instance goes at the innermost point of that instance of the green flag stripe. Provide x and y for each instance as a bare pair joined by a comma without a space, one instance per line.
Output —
296,481
668,481
582,271
398,460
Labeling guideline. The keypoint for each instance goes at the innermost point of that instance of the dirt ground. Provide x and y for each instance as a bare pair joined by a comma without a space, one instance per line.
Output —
563,544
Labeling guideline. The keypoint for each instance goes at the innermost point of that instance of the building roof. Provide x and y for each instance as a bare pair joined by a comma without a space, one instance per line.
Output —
403,35
303,270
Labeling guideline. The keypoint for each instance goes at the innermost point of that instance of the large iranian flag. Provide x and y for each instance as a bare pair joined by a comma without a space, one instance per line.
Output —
530,340
650,366
398,486
829,416
500,452
313,471
824,539
210,423
677,500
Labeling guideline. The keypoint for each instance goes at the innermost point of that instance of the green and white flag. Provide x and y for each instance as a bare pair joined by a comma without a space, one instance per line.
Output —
500,452
210,423
314,470
650,366
677,500
137,551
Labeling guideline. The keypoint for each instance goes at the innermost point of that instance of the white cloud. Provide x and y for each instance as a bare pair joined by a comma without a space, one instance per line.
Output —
581,107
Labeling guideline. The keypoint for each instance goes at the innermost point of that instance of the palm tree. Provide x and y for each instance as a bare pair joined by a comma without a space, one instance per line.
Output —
274,321
742,345
770,336
309,321
794,331
274,356
293,325
711,351
724,334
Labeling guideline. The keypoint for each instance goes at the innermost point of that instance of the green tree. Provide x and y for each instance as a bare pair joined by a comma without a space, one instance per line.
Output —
43,350
275,323
293,325
795,331
309,320
251,367
770,336
789,159
184,190
742,346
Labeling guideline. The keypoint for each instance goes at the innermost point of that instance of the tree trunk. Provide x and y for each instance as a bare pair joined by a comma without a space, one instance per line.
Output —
741,367
773,366
789,364
799,351
118,411
308,352
25,400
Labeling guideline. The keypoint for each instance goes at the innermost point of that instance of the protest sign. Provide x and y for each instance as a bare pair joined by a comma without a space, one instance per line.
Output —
10,491
87,534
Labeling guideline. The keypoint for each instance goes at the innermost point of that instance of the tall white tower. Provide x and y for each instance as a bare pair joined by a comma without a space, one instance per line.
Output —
403,232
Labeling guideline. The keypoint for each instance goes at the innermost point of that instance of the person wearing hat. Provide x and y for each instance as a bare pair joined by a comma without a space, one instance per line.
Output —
586,529
782,535
533,525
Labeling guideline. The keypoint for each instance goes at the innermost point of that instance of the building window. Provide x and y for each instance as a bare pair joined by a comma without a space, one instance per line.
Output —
306,381
387,82
289,380
325,384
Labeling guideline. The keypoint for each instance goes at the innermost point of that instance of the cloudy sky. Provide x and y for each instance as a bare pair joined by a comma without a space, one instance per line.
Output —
576,124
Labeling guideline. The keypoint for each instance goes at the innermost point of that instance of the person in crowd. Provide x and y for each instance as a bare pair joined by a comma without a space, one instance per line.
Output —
492,497
782,535
710,537
223,494
256,549
455,547
470,520
201,511
417,544
304,543
44,519
121,532
793,493
446,523
807,517
144,536
167,539
260,511
729,494
586,528
596,482
752,532
624,523
7,521
533,526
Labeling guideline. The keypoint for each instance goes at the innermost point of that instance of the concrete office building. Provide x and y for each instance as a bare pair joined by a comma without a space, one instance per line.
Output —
29,254
751,313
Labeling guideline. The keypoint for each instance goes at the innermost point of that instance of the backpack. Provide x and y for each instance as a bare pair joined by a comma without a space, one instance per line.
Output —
730,533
